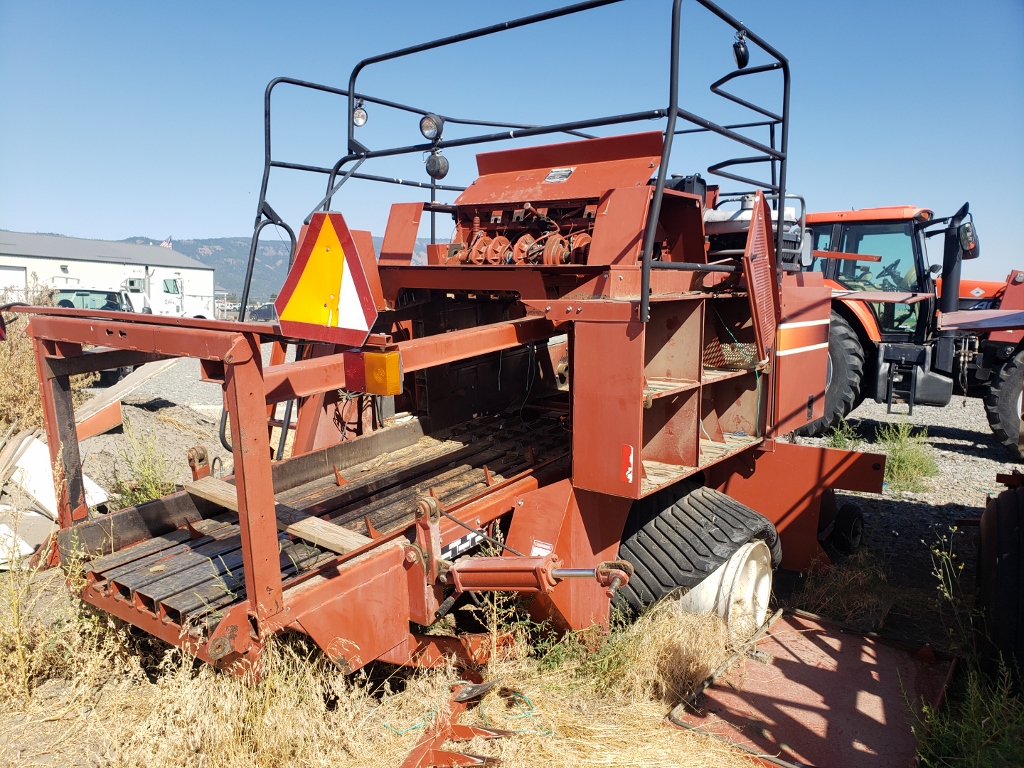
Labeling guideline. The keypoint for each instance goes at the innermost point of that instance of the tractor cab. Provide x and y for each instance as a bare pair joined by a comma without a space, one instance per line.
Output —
879,250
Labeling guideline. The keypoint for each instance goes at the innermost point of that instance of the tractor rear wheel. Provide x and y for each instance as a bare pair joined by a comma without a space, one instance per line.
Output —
679,536
1001,576
843,381
1003,401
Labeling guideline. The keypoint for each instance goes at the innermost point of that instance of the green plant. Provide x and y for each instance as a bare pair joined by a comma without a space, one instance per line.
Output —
843,436
143,474
982,724
908,456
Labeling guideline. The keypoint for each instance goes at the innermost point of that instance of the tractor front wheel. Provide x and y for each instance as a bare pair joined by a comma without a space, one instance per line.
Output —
1003,402
843,380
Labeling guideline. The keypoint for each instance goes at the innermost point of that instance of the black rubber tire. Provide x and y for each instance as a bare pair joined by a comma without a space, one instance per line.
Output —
677,537
1001,576
1002,402
842,393
111,377
848,530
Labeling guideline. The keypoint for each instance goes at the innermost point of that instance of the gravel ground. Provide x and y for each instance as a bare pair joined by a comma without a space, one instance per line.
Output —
174,411
901,528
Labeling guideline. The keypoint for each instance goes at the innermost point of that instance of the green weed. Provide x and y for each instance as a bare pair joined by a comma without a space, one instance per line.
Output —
143,474
843,436
908,456
982,724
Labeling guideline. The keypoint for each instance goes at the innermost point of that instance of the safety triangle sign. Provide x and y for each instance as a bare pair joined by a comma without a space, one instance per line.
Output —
327,296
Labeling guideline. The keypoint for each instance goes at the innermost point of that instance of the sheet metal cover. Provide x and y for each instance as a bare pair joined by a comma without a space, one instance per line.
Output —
826,698
567,171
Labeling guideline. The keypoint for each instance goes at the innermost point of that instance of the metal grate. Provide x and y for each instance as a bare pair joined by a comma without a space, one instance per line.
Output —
759,266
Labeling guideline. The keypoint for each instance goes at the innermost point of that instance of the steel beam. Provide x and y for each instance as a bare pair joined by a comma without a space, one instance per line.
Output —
308,377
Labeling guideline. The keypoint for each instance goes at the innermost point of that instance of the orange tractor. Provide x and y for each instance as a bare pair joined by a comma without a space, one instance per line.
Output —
886,340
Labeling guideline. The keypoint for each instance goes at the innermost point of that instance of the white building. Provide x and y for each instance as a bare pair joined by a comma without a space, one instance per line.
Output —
175,284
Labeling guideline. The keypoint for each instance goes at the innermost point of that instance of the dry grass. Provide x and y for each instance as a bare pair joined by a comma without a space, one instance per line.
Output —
96,695
21,399
854,591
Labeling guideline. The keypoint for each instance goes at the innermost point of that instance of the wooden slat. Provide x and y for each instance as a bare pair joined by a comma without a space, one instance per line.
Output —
318,532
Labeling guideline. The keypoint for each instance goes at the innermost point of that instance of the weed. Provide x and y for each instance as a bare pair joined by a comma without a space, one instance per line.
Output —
855,592
908,456
21,400
982,724
143,474
843,436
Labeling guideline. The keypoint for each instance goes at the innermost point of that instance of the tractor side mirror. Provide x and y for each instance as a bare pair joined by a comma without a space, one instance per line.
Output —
934,270
806,248
969,240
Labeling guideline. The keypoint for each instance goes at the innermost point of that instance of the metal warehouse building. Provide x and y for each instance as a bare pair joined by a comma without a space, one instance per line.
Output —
175,284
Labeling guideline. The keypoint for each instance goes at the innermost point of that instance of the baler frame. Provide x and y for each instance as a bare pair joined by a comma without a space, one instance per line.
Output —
665,411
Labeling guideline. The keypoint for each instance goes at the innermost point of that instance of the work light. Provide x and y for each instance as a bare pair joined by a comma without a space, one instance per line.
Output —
431,126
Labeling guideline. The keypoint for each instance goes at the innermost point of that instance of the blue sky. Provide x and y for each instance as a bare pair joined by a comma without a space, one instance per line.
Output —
140,118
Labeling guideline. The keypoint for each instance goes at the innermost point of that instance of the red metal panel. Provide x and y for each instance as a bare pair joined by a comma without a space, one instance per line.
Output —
104,420
368,256
885,297
801,361
590,534
400,235
619,226
1012,298
829,697
762,282
981,320
527,282
786,485
364,621
589,167
607,404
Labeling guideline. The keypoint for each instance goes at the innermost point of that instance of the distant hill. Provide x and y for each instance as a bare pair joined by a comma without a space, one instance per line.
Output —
229,255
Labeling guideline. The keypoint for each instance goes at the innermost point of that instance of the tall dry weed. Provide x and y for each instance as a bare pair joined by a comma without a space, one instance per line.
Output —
21,401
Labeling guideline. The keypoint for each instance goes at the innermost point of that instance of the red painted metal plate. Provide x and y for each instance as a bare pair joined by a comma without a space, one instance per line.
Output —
569,171
884,297
827,698
981,320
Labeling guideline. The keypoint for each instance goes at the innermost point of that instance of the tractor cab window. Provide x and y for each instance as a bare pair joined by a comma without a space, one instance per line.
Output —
171,286
896,271
821,240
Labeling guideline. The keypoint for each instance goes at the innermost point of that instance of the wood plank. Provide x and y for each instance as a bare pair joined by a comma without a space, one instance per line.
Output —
317,532
123,388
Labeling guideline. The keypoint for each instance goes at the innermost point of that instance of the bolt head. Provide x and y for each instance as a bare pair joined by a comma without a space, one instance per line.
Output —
410,556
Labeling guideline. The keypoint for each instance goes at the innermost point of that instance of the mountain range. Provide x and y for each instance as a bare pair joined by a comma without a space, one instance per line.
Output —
229,256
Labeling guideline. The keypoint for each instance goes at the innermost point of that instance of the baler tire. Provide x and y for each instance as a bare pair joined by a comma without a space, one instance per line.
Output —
1002,403
1001,577
843,391
679,536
